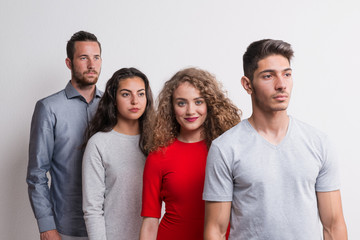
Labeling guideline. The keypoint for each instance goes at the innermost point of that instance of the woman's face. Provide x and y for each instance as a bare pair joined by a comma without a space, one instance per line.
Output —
190,110
131,98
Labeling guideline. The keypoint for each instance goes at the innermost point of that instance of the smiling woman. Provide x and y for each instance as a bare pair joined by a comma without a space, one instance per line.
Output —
190,111
193,110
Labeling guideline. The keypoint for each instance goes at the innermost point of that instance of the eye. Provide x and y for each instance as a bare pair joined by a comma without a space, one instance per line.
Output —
199,102
267,76
82,58
181,103
125,94
141,94
287,74
97,57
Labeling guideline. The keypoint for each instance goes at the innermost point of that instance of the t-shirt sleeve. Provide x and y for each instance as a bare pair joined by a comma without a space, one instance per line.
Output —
152,179
328,178
218,177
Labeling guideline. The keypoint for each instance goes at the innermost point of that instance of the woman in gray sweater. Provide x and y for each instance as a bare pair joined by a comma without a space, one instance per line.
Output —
114,157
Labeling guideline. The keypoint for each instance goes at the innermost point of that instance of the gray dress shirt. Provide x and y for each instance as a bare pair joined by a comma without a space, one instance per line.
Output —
57,133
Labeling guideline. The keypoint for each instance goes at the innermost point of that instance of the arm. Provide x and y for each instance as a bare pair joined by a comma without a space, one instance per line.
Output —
217,216
50,235
331,215
40,154
149,228
93,187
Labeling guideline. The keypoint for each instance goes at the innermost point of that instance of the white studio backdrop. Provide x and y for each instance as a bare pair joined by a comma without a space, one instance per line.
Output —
161,37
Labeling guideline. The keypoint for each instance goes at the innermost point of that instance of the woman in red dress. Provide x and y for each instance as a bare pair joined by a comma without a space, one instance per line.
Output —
192,111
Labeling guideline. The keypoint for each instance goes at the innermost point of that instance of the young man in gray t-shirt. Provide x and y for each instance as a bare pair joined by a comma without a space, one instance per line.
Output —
274,175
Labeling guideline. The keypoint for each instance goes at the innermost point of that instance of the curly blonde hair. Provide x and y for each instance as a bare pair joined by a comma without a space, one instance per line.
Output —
222,114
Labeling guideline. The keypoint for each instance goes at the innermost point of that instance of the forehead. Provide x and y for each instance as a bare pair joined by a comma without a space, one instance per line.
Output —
86,47
131,83
273,62
186,90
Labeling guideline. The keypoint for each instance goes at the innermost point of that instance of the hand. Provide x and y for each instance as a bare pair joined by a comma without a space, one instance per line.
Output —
50,235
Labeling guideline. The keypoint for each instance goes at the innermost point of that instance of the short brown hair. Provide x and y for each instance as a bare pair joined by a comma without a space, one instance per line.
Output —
79,37
261,49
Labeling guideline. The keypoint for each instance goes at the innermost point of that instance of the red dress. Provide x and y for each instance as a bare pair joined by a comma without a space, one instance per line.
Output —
176,176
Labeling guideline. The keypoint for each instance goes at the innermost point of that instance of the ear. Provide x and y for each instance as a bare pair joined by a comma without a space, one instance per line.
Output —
68,63
246,83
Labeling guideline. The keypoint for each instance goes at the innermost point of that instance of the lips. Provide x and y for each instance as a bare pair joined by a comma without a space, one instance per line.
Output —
91,72
134,110
192,119
281,97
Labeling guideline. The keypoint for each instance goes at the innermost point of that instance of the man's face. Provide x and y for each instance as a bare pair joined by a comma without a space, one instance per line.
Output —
86,64
272,84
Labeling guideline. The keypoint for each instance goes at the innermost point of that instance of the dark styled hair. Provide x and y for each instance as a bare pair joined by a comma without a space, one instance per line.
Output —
261,49
106,115
222,114
79,37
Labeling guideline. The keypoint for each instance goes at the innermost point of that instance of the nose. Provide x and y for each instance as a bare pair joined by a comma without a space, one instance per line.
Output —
91,64
134,99
190,110
280,83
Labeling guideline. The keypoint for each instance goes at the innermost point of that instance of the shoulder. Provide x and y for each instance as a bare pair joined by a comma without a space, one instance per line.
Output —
234,135
99,139
53,98
50,103
306,131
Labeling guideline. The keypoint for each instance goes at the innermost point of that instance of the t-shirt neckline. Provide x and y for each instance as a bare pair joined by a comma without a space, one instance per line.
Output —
282,142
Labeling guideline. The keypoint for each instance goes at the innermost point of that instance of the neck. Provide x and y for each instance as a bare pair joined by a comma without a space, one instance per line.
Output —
129,127
88,92
270,125
190,136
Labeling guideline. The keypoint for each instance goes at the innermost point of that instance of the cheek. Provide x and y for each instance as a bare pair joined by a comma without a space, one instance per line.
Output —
178,111
203,110
120,104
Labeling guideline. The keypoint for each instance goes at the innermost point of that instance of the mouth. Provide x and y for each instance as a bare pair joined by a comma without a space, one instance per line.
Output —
91,73
134,110
281,97
192,119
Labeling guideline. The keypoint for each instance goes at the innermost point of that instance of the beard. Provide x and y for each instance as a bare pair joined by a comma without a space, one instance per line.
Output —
82,79
267,104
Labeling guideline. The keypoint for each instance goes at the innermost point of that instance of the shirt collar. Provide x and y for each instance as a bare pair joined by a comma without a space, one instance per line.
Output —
71,92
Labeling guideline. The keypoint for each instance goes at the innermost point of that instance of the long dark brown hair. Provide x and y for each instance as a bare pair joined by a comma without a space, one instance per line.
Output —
106,115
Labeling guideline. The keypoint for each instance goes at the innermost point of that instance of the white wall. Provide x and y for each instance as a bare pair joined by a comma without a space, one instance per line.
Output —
161,37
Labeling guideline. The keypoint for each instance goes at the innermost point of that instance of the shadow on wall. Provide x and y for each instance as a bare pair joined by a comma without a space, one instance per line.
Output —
18,221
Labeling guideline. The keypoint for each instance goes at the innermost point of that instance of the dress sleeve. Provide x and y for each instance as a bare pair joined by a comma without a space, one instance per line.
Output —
41,148
152,179
93,187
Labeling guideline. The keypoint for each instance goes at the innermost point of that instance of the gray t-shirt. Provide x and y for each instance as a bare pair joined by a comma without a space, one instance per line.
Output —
272,188
113,166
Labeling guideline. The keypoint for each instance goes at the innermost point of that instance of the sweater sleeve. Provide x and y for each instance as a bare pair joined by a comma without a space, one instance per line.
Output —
93,180
152,179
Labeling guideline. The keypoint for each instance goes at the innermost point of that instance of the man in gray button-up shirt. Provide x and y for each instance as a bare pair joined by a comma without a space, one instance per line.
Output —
57,133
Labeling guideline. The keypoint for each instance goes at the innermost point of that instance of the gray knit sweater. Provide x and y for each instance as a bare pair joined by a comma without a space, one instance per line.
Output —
112,185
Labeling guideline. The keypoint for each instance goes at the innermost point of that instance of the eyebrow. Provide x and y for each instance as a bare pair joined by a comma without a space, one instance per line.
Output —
271,70
186,99
86,55
127,90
